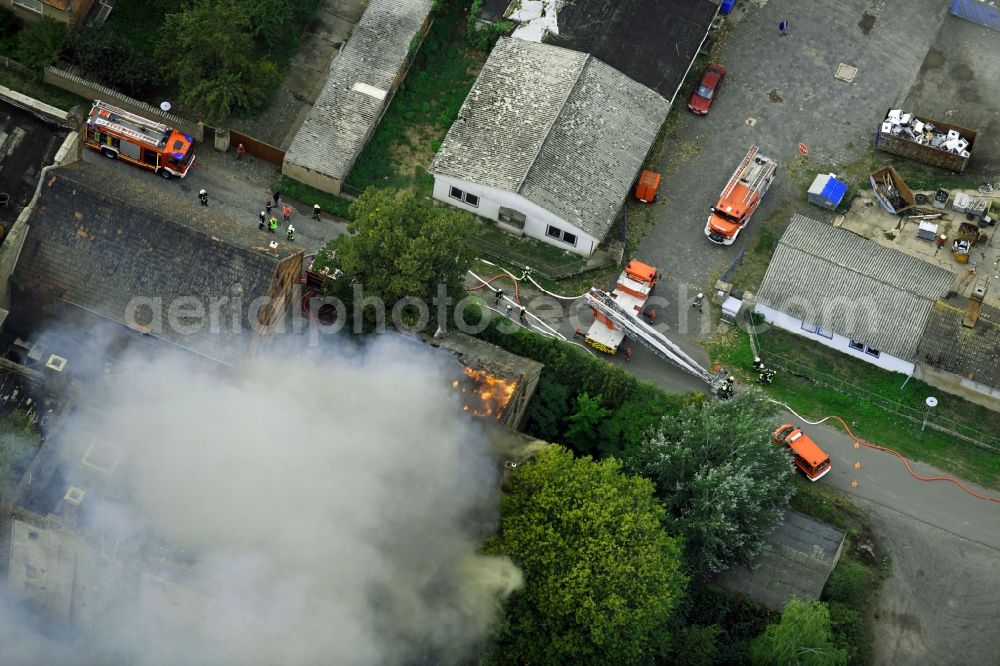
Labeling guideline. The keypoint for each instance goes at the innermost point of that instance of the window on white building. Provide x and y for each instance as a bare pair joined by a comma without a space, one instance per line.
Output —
817,329
464,197
30,5
861,347
559,234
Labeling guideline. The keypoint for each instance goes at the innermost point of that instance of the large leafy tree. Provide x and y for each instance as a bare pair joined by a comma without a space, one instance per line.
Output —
602,576
721,479
802,638
206,51
400,247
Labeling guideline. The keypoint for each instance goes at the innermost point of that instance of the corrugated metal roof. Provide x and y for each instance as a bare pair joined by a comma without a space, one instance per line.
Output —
559,127
345,113
853,286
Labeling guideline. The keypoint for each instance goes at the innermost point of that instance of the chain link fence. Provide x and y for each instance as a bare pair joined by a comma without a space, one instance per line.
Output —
934,421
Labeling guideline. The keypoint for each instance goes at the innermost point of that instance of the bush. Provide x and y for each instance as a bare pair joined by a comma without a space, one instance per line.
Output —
112,60
39,42
8,23
848,584
696,646
850,634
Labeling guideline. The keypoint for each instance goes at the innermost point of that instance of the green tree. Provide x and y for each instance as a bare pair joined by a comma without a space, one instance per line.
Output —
39,42
548,410
583,433
603,577
269,18
802,638
206,52
111,59
400,247
721,479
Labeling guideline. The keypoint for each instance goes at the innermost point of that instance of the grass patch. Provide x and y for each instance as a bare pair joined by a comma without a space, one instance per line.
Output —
862,567
869,419
423,109
330,203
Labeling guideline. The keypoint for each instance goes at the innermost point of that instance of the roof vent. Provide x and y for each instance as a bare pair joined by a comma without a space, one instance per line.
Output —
56,363
74,495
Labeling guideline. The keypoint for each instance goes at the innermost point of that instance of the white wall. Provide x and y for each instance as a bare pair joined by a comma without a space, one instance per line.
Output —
838,342
537,219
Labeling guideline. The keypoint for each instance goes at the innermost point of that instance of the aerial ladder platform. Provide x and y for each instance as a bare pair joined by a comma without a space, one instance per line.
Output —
609,309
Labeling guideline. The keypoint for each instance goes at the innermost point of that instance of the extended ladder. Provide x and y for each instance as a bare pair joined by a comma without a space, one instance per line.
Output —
739,172
641,332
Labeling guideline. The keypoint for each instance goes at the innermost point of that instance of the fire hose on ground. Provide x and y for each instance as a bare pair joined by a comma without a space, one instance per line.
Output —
902,458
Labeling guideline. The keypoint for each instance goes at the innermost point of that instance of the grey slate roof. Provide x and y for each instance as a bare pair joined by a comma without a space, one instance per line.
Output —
968,352
853,286
92,245
558,127
340,122
802,553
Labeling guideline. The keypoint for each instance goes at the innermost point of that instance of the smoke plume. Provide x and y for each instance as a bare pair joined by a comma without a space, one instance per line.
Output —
307,509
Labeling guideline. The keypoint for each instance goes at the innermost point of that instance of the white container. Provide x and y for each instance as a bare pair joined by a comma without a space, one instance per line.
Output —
961,202
952,134
894,115
886,127
906,118
918,126
965,153
962,144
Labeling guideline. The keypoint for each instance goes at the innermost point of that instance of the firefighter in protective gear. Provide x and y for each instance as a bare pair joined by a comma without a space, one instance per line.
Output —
263,221
290,232
203,197
758,364
766,376
272,224
316,212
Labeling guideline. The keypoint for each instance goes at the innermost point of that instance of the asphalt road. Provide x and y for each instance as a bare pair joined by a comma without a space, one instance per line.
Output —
941,602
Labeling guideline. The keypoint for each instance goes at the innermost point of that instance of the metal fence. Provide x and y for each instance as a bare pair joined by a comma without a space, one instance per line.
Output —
726,274
16,66
934,421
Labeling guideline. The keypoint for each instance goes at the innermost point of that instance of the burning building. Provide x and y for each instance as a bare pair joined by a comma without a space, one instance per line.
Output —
496,384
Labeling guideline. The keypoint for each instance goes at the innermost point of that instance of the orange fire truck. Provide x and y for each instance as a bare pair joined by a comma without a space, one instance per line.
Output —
740,197
119,134
631,291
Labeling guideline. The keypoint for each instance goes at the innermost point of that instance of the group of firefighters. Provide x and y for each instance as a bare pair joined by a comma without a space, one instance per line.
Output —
270,222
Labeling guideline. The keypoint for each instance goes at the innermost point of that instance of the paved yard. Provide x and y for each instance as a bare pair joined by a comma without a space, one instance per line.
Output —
787,85
958,83
239,189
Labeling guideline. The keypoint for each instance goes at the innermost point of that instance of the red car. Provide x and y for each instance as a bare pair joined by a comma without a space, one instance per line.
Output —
702,98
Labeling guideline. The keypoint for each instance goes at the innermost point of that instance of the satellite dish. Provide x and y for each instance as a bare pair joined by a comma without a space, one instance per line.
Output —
164,106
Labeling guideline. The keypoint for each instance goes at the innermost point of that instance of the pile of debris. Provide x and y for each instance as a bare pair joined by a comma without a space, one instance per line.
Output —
891,191
908,126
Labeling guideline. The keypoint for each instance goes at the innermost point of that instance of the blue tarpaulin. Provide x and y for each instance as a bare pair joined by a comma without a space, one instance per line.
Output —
826,191
976,11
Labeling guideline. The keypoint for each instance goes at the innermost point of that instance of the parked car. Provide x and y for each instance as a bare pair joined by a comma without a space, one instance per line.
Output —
807,456
707,90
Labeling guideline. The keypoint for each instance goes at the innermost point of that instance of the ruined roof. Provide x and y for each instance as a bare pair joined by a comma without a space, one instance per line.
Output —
482,355
853,286
653,43
973,353
99,237
558,127
802,552
357,88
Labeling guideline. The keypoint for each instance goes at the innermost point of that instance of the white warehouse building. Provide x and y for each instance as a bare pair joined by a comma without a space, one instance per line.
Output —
548,143
849,293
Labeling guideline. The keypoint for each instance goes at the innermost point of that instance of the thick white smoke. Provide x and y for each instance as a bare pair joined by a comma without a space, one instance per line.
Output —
326,510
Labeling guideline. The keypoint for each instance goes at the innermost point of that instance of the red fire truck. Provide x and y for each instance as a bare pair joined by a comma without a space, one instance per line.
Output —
119,134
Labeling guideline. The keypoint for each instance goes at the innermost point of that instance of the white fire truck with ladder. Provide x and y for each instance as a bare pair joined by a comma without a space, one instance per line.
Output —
740,198
618,315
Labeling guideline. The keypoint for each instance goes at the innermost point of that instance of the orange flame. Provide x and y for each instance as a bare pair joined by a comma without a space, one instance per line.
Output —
493,392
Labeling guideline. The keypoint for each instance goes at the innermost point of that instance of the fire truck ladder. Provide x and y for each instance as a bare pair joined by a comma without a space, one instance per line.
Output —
765,171
739,172
646,335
